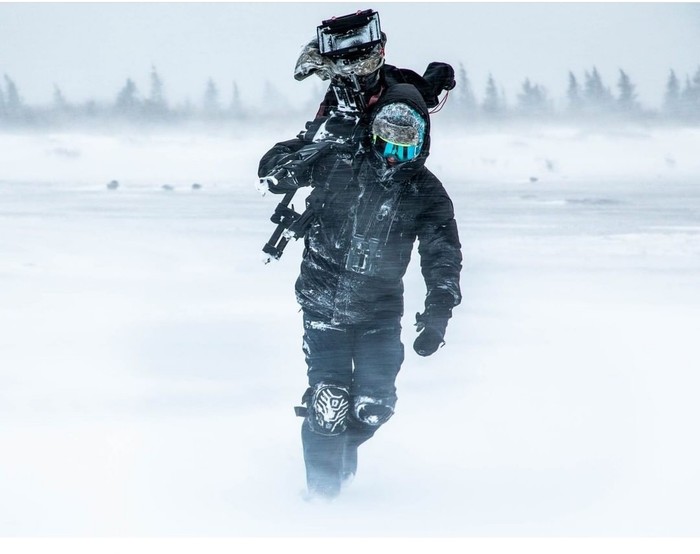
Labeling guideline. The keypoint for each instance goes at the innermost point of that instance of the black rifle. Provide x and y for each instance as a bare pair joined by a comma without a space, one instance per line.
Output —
339,133
290,224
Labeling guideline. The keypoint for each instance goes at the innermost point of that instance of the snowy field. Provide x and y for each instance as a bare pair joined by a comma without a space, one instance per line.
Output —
149,363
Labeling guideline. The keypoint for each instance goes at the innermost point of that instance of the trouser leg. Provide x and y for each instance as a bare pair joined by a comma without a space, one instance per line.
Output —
328,352
330,435
378,354
323,459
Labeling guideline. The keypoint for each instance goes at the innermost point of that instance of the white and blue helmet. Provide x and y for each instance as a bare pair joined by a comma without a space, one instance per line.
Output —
398,132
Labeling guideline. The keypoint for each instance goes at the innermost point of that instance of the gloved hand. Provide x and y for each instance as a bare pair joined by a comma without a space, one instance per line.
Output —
432,332
283,185
440,75
289,174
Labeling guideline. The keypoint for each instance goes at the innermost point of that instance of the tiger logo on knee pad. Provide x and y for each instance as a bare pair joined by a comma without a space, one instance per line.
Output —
328,409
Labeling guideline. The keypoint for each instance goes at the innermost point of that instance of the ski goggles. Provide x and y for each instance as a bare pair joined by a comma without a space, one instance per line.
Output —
401,152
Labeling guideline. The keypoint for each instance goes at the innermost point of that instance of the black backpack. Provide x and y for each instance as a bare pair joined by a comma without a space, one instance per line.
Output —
438,77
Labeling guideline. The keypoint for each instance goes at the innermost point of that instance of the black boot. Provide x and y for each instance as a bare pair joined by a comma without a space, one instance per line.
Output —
355,435
323,457
349,465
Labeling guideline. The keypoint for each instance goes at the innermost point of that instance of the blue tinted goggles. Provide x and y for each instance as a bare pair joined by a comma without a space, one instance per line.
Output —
402,152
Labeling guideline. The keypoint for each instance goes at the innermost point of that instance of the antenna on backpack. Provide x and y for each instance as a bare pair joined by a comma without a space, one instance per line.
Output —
441,104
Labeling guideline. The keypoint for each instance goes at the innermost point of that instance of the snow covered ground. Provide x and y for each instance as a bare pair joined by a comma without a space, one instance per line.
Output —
149,362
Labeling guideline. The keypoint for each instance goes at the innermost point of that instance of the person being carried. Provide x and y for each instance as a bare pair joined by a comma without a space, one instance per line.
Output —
350,50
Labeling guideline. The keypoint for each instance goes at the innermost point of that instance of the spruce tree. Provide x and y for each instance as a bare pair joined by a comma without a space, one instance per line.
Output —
466,100
236,104
59,100
492,105
210,103
573,94
694,96
672,96
690,100
627,99
532,100
127,102
155,105
598,98
13,102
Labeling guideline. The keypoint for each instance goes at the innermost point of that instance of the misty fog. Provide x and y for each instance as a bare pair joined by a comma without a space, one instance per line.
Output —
149,362
98,57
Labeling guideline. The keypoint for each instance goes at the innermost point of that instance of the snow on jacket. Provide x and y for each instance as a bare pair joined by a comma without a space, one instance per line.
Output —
360,242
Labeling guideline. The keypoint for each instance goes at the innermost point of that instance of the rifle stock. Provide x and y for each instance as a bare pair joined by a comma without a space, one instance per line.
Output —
285,179
290,224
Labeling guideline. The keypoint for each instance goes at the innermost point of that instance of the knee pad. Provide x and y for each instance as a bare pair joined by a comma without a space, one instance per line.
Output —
373,411
328,407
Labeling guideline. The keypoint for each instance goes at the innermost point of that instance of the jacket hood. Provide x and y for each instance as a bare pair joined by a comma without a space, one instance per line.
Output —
409,95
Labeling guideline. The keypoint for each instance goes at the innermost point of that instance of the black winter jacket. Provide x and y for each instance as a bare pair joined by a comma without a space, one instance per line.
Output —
360,241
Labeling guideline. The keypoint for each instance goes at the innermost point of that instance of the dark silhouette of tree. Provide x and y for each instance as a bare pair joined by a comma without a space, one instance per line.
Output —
127,102
598,97
690,97
60,110
155,105
574,95
627,98
493,104
532,99
588,97
466,100
236,104
210,103
59,100
672,97
13,105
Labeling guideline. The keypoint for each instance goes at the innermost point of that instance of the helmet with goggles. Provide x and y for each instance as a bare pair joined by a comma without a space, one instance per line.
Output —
398,133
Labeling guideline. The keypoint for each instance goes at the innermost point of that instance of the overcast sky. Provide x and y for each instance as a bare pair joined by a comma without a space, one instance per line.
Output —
89,49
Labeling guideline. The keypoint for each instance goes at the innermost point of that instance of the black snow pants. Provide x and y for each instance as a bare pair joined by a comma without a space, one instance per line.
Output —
352,371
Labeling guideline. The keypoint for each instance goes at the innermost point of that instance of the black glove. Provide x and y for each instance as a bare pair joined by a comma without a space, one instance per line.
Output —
281,186
441,76
287,177
432,333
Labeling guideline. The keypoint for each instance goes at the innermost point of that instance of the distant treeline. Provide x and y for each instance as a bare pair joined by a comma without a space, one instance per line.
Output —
587,98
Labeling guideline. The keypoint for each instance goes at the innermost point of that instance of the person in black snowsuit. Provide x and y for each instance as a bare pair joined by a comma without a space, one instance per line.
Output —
368,206
368,211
